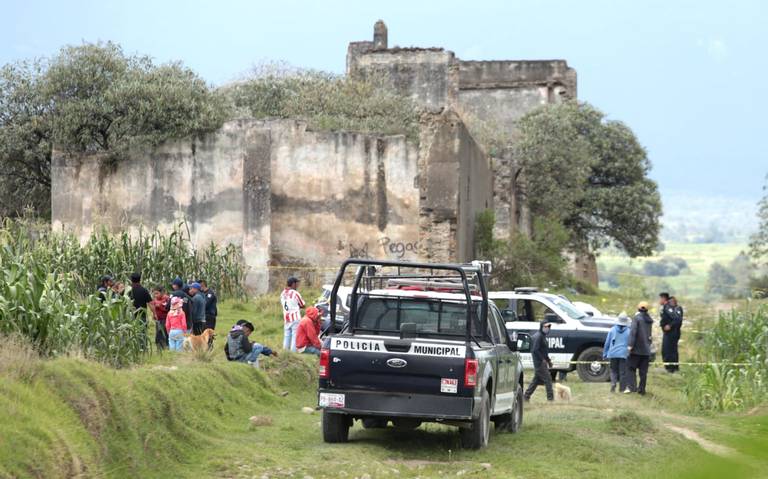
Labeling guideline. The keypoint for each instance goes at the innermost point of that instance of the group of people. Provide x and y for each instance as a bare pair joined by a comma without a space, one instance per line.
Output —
628,348
190,308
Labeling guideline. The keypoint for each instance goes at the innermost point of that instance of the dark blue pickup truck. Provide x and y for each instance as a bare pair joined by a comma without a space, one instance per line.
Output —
421,343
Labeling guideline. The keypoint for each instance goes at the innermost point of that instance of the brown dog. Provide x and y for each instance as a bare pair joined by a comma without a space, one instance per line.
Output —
202,342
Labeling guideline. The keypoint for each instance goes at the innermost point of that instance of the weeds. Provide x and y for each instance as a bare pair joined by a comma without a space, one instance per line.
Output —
735,337
629,423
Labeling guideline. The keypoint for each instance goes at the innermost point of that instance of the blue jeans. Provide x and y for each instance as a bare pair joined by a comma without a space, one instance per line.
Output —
311,350
253,356
289,335
175,339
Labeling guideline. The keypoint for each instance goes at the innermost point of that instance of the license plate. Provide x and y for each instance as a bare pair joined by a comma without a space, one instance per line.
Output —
331,400
448,385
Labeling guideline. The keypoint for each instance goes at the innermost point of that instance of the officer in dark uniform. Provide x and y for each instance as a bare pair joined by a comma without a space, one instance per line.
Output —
541,362
671,322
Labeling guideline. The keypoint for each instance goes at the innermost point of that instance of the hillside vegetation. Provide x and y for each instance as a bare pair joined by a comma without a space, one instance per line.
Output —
188,416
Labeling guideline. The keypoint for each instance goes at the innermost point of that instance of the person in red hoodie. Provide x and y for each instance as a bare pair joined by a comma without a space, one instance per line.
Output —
308,332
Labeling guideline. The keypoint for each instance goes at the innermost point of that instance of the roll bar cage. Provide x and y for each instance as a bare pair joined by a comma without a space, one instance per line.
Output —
459,282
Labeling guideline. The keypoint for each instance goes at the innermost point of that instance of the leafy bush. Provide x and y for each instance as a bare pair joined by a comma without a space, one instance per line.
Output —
735,337
666,266
48,285
325,101
523,261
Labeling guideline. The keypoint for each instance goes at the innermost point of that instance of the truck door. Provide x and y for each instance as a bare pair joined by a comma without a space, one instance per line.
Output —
504,362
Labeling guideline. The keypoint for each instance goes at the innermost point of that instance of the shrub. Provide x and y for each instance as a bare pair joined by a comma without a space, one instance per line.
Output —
325,101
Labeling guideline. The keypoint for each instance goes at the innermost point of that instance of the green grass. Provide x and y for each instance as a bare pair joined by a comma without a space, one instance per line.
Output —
178,416
690,284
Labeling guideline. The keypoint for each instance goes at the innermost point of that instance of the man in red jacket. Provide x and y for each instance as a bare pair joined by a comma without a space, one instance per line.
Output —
308,333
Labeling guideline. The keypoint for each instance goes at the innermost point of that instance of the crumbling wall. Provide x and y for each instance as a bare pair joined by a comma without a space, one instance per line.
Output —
339,194
429,76
455,186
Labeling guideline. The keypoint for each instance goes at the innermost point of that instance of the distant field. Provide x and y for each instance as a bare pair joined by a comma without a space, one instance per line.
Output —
691,283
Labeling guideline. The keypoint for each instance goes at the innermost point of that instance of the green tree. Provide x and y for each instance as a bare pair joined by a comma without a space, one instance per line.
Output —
25,139
591,174
92,98
720,281
758,245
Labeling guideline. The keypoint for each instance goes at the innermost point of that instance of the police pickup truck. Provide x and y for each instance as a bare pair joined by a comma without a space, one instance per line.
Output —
574,336
421,343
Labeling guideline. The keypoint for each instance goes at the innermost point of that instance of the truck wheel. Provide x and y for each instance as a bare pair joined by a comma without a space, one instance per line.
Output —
335,427
593,371
511,422
374,423
476,436
517,413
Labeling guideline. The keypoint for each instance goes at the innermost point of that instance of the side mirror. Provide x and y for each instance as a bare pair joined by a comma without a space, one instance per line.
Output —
552,318
590,313
523,343
512,340
348,301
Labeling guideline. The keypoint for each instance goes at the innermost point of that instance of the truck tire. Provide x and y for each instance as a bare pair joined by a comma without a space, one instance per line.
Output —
512,421
593,371
477,435
335,427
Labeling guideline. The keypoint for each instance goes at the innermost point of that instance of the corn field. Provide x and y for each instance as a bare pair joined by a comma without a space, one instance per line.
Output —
735,337
48,286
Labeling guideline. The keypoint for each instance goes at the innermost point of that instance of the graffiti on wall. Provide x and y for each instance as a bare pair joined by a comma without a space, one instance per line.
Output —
385,247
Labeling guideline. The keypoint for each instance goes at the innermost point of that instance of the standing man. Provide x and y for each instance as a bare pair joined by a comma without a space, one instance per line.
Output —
141,299
541,362
177,291
292,303
671,322
639,347
197,309
211,305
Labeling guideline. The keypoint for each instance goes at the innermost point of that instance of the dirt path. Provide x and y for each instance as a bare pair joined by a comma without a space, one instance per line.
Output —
707,445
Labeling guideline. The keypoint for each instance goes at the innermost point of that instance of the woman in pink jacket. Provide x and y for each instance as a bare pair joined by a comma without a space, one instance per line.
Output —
176,324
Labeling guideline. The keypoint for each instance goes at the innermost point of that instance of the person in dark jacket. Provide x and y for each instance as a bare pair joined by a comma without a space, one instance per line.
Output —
671,322
141,298
177,290
211,305
242,350
197,309
106,287
541,362
639,346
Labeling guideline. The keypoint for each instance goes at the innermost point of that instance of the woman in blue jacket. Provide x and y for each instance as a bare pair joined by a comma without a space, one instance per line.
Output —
615,350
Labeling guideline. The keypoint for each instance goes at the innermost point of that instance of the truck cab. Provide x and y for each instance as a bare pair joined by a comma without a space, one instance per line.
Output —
576,339
421,343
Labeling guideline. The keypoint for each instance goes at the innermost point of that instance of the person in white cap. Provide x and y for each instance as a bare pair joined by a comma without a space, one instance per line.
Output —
615,350
639,346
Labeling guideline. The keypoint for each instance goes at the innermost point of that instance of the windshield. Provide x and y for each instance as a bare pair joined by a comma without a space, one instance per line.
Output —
431,316
568,308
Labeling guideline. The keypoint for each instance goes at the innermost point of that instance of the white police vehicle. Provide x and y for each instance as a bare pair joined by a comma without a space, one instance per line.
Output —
575,336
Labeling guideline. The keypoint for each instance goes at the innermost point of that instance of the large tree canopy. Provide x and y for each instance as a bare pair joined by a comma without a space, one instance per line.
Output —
591,174
92,98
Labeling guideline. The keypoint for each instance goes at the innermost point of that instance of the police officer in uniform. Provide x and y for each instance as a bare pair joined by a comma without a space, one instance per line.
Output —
541,362
671,322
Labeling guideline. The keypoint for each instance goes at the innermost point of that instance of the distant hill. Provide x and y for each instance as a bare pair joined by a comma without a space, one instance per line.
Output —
707,219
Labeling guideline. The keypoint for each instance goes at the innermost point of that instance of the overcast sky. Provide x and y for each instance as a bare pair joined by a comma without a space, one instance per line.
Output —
686,76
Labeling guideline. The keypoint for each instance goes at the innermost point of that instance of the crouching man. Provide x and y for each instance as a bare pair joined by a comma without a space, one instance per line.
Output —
239,348
308,332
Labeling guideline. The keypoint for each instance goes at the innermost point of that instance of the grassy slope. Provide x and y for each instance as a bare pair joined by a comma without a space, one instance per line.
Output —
76,417
699,257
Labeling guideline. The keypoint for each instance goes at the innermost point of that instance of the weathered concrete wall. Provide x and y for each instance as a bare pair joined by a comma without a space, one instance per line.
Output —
456,185
429,76
337,195
295,200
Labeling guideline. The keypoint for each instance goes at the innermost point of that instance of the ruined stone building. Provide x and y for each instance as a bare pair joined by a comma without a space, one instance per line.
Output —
297,200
